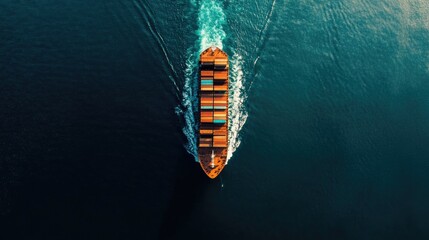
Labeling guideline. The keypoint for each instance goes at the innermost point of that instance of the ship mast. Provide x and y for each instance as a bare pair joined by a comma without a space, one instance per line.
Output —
213,157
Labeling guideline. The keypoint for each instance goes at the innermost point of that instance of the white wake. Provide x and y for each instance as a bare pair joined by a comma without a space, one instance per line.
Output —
211,19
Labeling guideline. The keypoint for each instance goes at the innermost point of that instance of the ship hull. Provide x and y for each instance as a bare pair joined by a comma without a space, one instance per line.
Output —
213,111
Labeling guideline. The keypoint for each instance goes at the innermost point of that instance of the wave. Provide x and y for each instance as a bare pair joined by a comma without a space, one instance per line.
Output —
262,40
147,14
211,20
189,105
237,96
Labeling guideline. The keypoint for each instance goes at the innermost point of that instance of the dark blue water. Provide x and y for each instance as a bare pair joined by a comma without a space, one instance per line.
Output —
329,120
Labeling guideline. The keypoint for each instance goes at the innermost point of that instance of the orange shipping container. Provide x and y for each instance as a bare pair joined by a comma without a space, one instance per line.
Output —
206,73
221,75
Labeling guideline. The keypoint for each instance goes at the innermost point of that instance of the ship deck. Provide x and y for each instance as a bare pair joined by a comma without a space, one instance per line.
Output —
213,126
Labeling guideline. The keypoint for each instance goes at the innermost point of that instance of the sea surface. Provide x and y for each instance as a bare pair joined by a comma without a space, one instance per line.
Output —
329,119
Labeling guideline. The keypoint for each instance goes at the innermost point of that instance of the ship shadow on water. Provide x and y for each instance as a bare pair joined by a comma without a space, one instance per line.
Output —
190,185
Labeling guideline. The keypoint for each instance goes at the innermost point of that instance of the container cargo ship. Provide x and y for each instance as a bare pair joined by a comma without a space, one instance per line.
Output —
213,111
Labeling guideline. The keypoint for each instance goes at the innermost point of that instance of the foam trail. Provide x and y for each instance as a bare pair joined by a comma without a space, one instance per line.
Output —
190,103
211,19
237,96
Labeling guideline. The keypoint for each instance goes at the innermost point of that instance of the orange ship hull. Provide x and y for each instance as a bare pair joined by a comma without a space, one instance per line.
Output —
213,111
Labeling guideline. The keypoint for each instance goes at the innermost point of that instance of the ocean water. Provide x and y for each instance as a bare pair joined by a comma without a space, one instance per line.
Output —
329,120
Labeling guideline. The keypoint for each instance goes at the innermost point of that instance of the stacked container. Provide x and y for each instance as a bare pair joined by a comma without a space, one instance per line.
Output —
213,110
